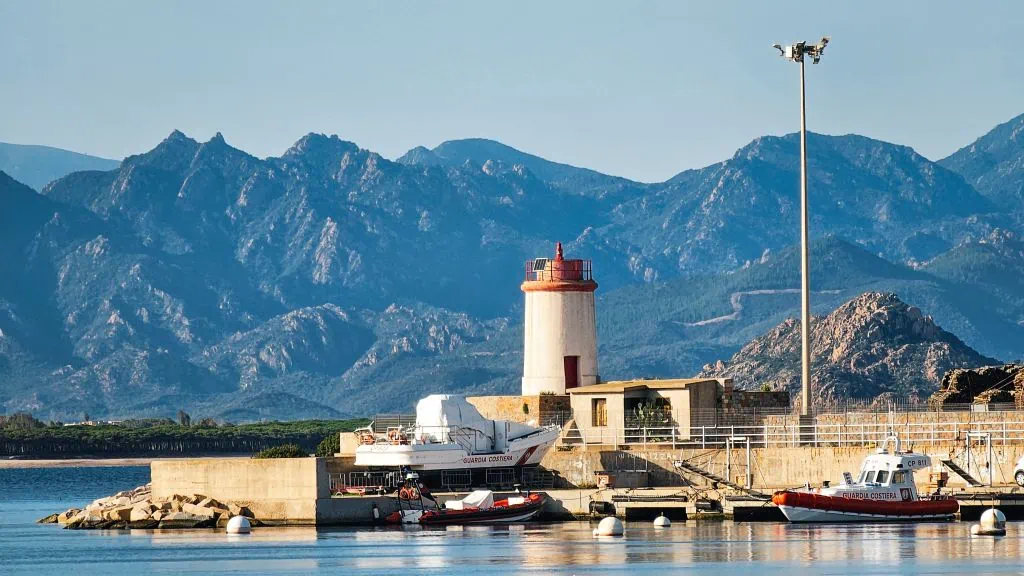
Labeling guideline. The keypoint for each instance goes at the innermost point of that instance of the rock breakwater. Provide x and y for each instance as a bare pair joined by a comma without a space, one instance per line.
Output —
138,509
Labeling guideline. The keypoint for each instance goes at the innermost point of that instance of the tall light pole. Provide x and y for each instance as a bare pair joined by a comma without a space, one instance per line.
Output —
797,53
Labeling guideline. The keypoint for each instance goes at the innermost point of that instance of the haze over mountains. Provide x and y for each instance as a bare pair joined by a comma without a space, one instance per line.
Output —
331,281
37,166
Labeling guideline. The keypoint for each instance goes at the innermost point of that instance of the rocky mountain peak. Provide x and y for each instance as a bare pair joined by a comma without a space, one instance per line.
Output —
420,155
315,145
872,344
173,154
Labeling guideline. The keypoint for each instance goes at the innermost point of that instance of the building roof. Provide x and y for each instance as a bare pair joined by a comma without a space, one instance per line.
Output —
628,385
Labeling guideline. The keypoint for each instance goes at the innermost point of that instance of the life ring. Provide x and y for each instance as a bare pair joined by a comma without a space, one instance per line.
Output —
367,438
396,437
409,493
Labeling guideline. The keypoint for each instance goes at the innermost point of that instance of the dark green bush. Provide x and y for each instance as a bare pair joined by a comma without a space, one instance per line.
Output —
283,451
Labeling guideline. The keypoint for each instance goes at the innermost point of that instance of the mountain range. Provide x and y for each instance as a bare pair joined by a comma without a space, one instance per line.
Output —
331,281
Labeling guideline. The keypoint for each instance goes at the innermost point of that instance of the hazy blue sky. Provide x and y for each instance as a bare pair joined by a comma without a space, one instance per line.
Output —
642,90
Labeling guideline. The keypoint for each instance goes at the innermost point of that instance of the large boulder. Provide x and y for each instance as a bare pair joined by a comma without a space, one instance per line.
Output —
119,513
142,512
985,385
210,503
184,520
199,511
68,515
237,510
85,519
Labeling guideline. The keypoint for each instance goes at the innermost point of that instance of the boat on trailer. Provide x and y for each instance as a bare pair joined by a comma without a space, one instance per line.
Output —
450,434
884,492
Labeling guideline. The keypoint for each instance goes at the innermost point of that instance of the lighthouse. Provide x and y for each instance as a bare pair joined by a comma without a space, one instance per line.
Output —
560,333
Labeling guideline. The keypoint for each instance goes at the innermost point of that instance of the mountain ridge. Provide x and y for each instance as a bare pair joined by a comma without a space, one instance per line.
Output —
198,276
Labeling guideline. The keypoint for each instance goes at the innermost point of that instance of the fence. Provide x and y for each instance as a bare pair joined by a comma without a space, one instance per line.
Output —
450,480
1002,431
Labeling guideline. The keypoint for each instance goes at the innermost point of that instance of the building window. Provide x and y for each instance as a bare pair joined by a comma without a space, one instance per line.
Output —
599,412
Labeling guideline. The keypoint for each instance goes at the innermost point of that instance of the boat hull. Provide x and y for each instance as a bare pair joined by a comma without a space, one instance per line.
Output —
499,514
810,507
526,451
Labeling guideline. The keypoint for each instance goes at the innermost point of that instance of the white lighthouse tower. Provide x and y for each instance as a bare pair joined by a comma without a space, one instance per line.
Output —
560,335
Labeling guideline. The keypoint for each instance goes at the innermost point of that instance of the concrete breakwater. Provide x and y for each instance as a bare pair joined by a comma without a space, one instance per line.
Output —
628,481
139,509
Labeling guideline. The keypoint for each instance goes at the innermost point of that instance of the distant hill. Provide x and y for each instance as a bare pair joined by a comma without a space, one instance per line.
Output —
480,151
37,166
994,164
872,345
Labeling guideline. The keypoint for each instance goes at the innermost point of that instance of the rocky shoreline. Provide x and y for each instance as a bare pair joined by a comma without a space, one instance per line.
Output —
137,509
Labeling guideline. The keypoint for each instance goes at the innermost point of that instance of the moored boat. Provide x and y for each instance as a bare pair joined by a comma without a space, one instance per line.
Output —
477,508
451,434
885,491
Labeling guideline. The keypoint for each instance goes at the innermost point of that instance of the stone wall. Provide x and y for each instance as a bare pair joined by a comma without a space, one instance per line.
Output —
773,468
539,409
276,489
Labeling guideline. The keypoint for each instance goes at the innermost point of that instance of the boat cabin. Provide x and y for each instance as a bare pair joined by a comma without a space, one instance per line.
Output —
886,475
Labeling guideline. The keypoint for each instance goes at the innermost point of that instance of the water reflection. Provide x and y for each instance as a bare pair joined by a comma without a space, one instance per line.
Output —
719,547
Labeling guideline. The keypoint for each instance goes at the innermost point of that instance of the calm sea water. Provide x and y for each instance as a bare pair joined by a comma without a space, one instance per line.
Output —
569,548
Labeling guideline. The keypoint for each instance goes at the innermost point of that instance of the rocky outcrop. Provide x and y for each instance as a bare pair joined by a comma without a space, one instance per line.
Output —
987,385
138,509
872,345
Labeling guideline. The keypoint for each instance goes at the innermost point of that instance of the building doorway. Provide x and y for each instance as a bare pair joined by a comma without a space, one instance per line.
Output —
572,371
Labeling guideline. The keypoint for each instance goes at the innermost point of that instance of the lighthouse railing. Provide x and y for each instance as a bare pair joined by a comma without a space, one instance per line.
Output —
548,270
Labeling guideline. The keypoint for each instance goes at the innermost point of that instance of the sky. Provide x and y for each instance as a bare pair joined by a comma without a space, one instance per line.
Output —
636,89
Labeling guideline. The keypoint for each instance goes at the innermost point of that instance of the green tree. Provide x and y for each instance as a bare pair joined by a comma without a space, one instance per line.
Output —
329,446
283,451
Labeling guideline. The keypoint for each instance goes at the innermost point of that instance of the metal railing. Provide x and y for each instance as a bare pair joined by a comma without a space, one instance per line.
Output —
549,269
363,482
1002,431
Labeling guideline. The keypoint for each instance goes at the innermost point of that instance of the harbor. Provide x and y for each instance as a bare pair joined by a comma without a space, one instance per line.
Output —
687,448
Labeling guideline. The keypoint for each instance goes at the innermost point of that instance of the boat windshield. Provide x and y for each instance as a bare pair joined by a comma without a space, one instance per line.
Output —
867,477
883,475
899,477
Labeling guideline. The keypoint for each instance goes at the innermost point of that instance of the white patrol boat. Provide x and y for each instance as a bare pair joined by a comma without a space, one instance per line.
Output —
451,434
884,491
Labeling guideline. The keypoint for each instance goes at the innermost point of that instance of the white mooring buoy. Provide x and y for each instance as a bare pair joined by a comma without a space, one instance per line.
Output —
662,521
610,526
238,525
992,523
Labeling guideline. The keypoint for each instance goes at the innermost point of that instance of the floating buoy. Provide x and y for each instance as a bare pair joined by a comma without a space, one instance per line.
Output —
610,526
239,525
662,521
992,523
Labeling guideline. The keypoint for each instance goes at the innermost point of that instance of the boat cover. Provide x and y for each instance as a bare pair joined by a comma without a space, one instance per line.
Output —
482,499
439,414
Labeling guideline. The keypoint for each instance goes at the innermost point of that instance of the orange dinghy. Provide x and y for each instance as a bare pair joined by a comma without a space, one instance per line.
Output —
884,492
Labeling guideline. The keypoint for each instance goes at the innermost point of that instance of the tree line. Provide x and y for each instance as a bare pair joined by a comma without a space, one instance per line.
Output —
23,436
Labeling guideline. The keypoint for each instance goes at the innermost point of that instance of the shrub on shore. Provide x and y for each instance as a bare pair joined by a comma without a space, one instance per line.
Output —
329,446
283,451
